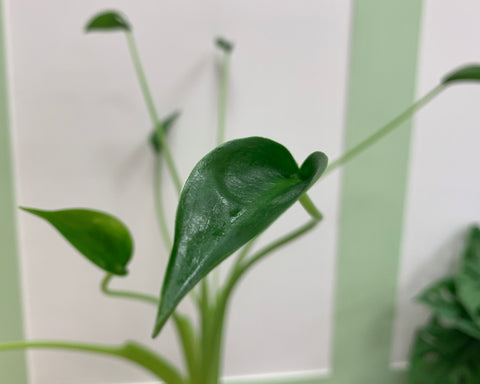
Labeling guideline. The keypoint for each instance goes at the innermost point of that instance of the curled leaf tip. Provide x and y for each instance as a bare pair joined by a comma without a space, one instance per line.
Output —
223,44
468,73
108,21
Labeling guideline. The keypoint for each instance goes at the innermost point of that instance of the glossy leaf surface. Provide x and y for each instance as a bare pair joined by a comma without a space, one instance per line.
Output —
167,123
442,355
468,277
108,21
100,237
233,194
468,73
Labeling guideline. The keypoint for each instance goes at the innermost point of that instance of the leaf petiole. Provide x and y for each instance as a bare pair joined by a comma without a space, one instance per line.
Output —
142,79
385,130
134,352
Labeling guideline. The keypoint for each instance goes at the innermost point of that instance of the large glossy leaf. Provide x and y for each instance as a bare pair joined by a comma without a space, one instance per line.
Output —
233,194
468,73
468,277
167,123
108,21
442,355
442,299
100,237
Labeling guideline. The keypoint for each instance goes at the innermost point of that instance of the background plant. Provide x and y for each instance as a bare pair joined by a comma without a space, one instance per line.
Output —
233,194
447,349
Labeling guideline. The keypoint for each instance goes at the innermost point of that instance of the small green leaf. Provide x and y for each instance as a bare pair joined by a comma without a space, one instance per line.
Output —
233,194
442,355
225,45
468,73
100,237
108,21
468,277
442,299
167,123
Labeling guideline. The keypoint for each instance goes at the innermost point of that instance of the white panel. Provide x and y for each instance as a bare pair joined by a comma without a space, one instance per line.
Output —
80,130
443,192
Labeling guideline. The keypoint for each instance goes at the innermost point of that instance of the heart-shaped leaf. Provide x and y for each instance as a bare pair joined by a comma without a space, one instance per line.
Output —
167,123
108,21
100,237
442,355
234,193
468,277
468,73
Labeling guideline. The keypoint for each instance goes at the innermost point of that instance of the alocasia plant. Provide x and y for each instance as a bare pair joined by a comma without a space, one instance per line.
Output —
231,196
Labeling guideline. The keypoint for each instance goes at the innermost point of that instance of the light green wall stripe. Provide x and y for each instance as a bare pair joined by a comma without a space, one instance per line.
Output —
384,52
12,365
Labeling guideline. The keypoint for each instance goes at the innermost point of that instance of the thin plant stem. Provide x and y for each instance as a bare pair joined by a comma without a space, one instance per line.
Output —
310,207
134,352
157,188
221,129
125,294
386,129
142,79
185,329
222,99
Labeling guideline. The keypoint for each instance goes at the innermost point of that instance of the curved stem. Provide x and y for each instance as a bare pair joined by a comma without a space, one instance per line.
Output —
310,207
184,328
240,268
133,352
142,79
386,129
222,99
269,249
125,294
162,221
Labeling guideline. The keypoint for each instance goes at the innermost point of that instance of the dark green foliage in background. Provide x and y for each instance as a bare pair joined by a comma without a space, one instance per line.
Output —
447,350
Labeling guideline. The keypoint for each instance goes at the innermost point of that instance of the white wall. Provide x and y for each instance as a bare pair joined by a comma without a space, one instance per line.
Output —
80,130
444,189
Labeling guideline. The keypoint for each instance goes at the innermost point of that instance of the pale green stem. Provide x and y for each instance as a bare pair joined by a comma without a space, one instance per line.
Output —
133,352
185,330
151,109
386,129
222,99
221,129
157,188
126,294
310,207
224,296
244,253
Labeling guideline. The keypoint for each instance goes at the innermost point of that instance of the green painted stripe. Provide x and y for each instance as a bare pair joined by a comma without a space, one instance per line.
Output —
385,39
12,365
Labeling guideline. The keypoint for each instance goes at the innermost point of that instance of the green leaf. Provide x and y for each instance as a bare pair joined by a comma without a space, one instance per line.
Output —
442,355
108,21
167,123
441,298
468,277
100,237
225,45
468,73
234,193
